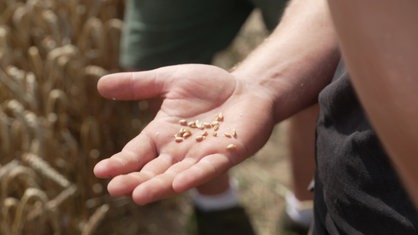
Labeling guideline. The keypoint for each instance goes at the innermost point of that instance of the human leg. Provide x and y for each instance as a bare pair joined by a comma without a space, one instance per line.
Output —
300,138
301,144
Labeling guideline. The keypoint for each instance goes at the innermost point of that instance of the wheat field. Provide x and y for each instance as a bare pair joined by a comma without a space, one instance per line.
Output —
54,126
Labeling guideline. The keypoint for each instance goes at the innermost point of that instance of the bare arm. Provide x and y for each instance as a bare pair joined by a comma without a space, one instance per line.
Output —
297,60
379,43
280,78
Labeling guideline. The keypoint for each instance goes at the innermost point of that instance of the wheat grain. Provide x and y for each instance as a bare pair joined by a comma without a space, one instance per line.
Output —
231,146
183,122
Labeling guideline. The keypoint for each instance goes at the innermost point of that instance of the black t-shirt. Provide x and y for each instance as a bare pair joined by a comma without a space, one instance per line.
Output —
357,191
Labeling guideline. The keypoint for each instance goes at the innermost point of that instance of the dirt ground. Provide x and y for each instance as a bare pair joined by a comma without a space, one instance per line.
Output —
262,179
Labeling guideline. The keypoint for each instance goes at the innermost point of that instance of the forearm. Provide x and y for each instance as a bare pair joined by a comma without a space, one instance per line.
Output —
379,43
297,60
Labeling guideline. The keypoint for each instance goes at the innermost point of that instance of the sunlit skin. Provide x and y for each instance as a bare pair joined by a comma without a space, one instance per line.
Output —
153,165
381,58
379,43
281,77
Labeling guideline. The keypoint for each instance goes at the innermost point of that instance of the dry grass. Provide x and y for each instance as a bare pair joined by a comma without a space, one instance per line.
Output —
54,127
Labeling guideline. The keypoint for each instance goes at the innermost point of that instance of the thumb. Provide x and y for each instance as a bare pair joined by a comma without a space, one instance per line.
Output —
131,85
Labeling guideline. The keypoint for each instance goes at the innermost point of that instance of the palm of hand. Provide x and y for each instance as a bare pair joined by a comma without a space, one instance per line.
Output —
153,165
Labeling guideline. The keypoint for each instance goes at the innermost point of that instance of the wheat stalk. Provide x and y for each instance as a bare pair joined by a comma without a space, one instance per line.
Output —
5,46
21,21
4,134
45,169
4,171
35,62
19,176
56,202
33,194
90,134
50,21
64,195
113,28
92,43
12,84
95,220
8,210
52,52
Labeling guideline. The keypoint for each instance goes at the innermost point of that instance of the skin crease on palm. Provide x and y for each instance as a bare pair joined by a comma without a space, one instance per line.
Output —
152,166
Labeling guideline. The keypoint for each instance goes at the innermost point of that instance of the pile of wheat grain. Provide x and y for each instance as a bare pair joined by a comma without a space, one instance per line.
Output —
53,124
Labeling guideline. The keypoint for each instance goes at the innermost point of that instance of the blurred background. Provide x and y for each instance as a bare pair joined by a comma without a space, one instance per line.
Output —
54,127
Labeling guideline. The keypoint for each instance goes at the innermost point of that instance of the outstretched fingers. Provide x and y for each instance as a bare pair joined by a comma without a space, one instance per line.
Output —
133,157
182,176
125,184
160,186
201,172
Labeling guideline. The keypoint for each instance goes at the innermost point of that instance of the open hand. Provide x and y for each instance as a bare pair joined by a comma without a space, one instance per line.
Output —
155,165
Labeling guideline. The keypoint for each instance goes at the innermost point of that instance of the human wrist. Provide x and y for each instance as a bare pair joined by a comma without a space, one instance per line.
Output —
269,84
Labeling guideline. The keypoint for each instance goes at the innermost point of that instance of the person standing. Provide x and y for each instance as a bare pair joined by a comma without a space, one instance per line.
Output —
365,183
160,33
